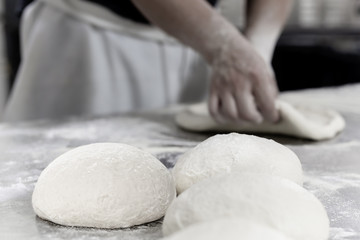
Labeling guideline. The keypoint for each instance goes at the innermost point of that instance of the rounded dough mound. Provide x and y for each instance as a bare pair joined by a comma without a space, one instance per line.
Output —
273,201
103,185
228,229
236,152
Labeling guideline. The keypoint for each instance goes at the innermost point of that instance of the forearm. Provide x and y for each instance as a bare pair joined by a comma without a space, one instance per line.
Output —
193,22
265,21
242,87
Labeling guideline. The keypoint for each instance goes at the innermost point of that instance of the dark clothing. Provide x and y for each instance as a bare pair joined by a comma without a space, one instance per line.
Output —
320,65
126,9
12,14
14,10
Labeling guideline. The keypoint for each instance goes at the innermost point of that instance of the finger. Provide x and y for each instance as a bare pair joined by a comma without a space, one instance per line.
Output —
214,106
228,107
273,84
265,96
246,106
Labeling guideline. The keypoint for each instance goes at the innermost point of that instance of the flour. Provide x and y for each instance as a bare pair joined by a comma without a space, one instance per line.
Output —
12,192
337,192
342,99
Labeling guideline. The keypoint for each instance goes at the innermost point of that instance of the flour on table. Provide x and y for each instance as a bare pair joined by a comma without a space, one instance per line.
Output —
273,201
225,153
303,121
103,185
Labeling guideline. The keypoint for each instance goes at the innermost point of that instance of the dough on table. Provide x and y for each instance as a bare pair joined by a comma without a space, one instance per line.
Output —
103,185
228,229
301,121
225,153
272,201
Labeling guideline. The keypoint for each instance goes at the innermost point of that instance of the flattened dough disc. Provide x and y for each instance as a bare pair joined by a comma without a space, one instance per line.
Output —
296,120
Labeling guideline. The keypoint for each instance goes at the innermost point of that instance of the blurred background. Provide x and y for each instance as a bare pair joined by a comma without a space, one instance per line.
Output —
319,47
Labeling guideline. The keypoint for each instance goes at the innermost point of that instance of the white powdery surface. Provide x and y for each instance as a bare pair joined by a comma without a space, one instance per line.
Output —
103,185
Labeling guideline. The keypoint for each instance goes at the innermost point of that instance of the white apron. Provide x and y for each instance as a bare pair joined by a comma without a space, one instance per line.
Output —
79,59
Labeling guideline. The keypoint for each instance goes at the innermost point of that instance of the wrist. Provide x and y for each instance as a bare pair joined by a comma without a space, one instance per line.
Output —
263,42
219,40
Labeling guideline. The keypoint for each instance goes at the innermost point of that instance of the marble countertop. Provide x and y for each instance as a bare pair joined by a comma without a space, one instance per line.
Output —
332,168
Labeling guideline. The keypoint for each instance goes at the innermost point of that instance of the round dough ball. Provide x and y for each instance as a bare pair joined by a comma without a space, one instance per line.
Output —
228,229
225,153
104,185
273,201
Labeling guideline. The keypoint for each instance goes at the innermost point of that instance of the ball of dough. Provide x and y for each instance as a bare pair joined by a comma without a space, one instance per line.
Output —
265,199
103,185
236,152
228,229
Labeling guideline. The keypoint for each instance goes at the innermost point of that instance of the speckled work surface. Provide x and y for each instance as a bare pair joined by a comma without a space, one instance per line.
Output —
332,168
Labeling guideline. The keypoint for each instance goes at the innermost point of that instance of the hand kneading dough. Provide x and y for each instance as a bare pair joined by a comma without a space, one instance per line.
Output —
103,185
273,201
296,121
228,229
235,153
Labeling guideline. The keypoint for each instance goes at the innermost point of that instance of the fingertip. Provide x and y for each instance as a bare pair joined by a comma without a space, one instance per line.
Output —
269,111
273,116
213,106
254,117
258,119
276,116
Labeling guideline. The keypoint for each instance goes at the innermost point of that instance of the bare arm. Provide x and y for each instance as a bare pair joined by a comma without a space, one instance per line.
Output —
193,22
242,85
265,21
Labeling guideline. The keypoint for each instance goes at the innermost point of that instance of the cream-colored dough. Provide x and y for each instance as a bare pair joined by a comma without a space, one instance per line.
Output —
228,229
103,185
273,201
301,121
226,153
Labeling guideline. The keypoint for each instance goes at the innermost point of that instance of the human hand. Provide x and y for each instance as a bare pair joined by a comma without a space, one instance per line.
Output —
243,86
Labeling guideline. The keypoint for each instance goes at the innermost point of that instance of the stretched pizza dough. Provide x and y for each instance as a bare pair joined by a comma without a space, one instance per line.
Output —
273,201
226,153
228,229
103,185
296,120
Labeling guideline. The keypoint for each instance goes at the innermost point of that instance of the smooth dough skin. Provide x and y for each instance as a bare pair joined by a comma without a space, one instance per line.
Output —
236,152
228,229
103,185
273,201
